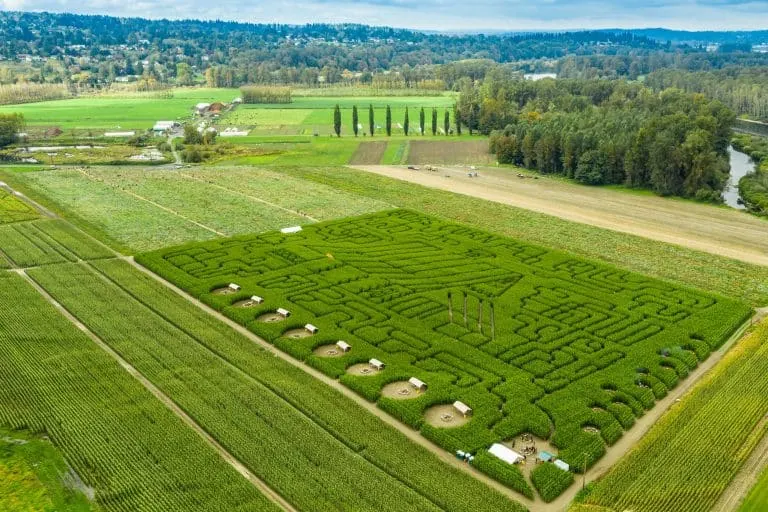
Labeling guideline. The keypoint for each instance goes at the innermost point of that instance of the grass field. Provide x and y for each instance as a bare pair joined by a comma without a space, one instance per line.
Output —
106,113
118,438
690,456
32,477
533,340
758,496
317,449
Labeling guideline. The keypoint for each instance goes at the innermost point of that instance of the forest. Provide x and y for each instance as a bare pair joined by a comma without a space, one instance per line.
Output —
605,132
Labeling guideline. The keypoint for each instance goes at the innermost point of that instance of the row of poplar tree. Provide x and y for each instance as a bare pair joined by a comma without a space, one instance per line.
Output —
447,130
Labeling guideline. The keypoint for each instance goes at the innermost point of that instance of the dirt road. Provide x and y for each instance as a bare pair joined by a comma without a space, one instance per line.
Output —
721,231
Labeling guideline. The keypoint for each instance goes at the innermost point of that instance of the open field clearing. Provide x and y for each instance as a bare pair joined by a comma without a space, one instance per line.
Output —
122,442
147,209
535,342
307,442
726,276
14,210
700,443
107,113
721,231
450,152
369,152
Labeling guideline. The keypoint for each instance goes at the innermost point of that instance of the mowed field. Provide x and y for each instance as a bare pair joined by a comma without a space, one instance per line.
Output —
534,341
721,231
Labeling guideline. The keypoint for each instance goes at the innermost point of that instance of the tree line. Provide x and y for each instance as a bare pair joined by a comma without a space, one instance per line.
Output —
10,127
405,126
262,94
606,132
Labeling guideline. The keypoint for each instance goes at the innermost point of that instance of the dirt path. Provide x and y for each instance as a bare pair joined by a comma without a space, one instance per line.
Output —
721,231
170,404
747,476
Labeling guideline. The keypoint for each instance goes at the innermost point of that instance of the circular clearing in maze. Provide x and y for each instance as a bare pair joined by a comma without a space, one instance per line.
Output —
400,390
362,369
328,351
247,303
226,290
297,334
270,318
445,416
590,429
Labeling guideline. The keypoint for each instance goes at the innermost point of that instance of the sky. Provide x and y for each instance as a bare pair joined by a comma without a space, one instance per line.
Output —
450,15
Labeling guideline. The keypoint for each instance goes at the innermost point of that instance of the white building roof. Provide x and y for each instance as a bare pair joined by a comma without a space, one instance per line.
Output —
292,229
418,384
343,345
506,454
562,465
376,363
462,407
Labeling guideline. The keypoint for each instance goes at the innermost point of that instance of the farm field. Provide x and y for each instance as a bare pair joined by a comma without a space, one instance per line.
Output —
702,441
14,210
141,225
534,341
758,496
110,113
316,451
143,209
118,438
721,231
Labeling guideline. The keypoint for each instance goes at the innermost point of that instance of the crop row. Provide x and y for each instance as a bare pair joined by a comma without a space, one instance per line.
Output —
44,242
14,210
119,439
530,339
317,449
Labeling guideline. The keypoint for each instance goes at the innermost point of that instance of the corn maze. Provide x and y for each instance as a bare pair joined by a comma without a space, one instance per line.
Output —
534,341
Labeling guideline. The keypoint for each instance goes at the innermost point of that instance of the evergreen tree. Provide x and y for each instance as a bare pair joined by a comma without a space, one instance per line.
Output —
406,121
337,120
371,122
421,121
389,121
434,121
447,122
354,120
457,119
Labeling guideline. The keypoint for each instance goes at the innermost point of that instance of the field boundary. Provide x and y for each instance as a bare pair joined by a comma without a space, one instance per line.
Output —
748,475
268,492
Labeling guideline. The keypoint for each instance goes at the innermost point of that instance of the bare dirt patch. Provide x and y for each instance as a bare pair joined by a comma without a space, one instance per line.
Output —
362,370
270,318
445,416
529,446
297,334
449,152
721,231
369,153
328,351
247,303
223,291
400,390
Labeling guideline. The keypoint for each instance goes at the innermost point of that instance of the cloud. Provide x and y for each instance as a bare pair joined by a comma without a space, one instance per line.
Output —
439,14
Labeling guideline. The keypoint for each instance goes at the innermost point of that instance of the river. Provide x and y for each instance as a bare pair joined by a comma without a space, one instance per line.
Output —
741,164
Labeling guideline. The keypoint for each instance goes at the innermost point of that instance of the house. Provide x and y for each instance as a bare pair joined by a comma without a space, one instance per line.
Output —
417,384
506,454
311,329
344,346
376,364
283,312
164,126
463,408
